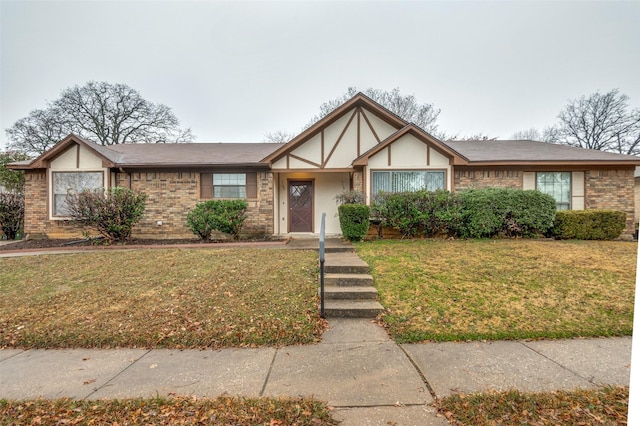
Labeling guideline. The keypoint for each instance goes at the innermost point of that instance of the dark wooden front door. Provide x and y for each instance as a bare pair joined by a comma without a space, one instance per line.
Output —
301,206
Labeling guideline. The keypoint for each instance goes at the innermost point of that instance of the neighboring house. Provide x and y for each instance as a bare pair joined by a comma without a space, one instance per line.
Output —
360,146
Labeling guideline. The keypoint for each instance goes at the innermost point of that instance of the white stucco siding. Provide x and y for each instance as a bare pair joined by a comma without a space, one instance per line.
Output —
294,163
280,164
380,160
325,186
333,132
76,157
382,128
346,150
408,152
65,161
437,159
310,150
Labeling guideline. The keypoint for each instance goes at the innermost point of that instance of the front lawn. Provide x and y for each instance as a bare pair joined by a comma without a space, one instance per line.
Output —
223,410
446,290
608,406
204,298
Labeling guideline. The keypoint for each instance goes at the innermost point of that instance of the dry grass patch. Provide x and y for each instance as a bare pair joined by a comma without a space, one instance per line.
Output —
173,411
170,298
503,289
607,406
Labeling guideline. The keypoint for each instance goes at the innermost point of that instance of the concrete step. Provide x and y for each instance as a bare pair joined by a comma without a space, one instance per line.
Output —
348,280
351,309
349,293
344,263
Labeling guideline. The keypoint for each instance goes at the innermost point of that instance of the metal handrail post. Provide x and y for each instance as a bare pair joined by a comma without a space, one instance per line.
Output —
322,266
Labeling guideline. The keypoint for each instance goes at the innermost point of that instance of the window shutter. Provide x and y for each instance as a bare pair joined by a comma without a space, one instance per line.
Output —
206,185
528,180
252,185
577,191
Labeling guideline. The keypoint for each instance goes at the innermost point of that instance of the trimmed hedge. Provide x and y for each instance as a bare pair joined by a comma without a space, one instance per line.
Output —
482,213
354,221
512,212
420,213
589,224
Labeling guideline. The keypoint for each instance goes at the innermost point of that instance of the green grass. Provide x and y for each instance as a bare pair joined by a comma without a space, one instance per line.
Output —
173,411
606,406
444,290
204,298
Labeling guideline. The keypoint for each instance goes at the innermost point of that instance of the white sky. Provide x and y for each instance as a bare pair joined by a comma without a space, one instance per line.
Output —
233,71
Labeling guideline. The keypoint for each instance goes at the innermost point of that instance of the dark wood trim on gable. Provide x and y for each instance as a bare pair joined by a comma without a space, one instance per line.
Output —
339,139
375,135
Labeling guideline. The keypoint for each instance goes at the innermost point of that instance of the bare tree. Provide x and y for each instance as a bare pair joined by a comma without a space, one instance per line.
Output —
600,121
533,134
39,131
108,113
279,136
405,106
473,137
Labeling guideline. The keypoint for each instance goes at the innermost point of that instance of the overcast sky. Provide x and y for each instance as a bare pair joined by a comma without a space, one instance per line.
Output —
233,71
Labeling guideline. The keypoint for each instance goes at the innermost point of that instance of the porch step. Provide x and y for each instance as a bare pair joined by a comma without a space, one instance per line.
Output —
352,309
348,280
344,263
349,293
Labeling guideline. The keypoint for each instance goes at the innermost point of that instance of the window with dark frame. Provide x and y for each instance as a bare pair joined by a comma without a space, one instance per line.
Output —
556,184
228,185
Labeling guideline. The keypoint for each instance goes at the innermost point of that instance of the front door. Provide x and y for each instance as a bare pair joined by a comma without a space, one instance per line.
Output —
301,206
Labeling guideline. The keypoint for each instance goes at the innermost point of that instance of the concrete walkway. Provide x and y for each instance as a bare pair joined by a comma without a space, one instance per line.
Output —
356,368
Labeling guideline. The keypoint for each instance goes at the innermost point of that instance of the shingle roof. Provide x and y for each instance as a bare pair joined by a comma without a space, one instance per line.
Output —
519,151
191,154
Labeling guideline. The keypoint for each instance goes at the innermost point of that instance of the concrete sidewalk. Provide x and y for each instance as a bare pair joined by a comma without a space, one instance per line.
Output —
356,368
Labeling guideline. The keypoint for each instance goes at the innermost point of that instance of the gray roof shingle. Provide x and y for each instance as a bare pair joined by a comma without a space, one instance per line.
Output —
517,151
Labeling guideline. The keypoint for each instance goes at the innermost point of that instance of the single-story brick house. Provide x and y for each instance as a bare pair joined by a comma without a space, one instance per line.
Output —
360,145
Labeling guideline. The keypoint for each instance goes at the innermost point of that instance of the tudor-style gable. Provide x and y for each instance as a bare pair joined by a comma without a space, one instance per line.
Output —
335,141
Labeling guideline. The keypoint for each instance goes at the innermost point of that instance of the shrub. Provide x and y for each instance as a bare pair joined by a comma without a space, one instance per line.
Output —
354,221
200,220
350,197
226,216
420,213
113,213
512,212
11,214
589,224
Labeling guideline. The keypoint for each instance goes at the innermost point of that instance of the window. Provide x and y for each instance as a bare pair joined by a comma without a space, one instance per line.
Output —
556,184
407,181
65,183
228,185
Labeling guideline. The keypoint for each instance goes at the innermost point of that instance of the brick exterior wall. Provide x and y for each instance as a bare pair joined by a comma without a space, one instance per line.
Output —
612,190
469,179
171,195
36,205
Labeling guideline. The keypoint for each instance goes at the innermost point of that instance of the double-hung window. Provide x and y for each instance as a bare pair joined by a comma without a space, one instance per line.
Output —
556,184
228,185
65,183
407,180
